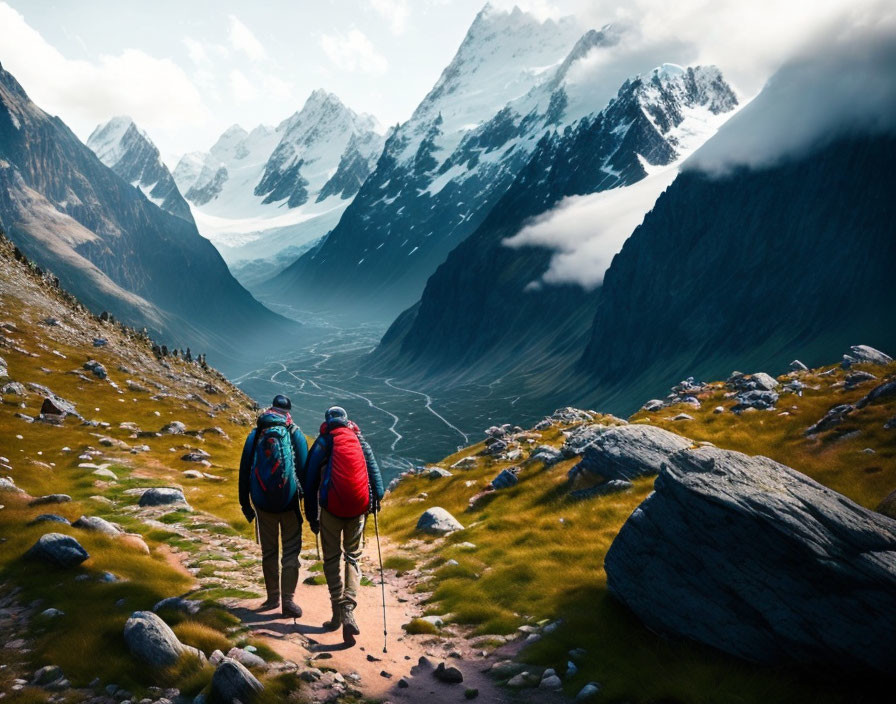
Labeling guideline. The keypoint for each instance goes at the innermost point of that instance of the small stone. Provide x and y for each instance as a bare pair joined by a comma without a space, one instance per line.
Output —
589,692
47,675
448,675
437,521
246,658
162,496
58,549
97,525
50,499
403,683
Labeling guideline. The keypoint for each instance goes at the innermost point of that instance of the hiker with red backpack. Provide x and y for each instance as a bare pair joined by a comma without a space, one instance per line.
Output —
342,484
273,456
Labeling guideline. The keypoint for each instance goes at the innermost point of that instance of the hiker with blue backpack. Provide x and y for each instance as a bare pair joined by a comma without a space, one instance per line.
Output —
342,485
273,457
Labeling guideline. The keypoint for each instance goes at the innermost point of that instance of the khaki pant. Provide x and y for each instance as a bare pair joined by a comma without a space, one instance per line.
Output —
338,535
272,528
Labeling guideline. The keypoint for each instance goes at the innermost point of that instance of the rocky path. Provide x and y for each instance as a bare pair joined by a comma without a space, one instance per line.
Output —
406,672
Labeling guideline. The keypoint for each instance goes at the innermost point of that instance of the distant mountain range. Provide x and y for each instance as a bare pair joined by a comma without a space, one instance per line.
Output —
753,251
263,197
483,311
442,170
111,245
130,153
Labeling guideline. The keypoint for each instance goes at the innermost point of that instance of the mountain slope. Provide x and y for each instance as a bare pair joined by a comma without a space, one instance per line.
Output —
443,169
484,311
797,256
263,197
129,152
110,245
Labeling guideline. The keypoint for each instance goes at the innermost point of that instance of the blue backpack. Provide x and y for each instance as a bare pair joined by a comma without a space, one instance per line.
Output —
272,482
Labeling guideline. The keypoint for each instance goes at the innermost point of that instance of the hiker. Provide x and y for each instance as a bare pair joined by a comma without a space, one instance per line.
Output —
342,476
274,454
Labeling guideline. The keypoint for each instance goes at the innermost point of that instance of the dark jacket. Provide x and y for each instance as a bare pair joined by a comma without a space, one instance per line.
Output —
317,469
299,448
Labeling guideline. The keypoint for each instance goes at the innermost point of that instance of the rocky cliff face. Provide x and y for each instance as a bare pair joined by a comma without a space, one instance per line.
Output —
795,257
442,170
751,557
109,244
483,311
129,152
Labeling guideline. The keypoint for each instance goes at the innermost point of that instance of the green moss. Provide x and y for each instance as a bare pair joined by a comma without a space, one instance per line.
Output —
418,626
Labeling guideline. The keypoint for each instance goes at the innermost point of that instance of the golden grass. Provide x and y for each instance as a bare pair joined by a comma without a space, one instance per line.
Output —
539,556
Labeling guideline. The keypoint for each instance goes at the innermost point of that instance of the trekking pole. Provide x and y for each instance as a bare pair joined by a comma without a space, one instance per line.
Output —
317,545
376,529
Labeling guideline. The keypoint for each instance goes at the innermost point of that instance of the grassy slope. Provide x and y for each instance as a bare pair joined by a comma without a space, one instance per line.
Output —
539,556
94,613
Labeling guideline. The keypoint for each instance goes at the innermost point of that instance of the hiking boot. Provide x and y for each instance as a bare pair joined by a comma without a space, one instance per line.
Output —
335,621
291,609
272,602
349,626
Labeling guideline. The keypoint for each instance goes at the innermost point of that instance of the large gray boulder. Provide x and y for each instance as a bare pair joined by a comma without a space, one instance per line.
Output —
627,452
151,640
868,355
58,549
437,521
232,682
162,497
756,559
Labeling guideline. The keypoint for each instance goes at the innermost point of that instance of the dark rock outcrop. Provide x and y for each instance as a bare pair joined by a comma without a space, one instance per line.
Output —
233,682
759,561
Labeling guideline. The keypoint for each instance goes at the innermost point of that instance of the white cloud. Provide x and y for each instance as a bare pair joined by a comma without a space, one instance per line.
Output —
587,231
242,39
155,92
353,51
242,89
197,52
396,12
844,81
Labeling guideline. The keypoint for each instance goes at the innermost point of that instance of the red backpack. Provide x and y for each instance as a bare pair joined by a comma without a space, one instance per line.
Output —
345,487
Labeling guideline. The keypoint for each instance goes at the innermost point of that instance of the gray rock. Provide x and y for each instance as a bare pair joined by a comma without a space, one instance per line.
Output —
437,521
833,417
246,658
750,382
438,473
162,496
13,388
97,524
104,473
58,549
195,456
175,427
581,438
151,640
546,454
888,506
653,404
797,366
879,392
9,486
755,398
505,479
232,682
589,692
759,561
551,682
53,405
868,355
523,680
47,675
449,675
98,370
49,518
628,452
100,342
614,486
859,377
178,603
495,447
682,416
50,499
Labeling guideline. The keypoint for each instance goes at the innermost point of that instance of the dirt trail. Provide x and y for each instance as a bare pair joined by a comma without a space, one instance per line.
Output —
305,639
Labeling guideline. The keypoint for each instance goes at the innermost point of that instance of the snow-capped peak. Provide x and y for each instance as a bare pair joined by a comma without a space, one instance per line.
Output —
107,140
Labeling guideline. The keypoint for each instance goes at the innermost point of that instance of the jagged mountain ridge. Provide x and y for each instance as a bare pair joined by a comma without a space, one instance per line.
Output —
129,152
443,169
479,314
110,245
265,196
